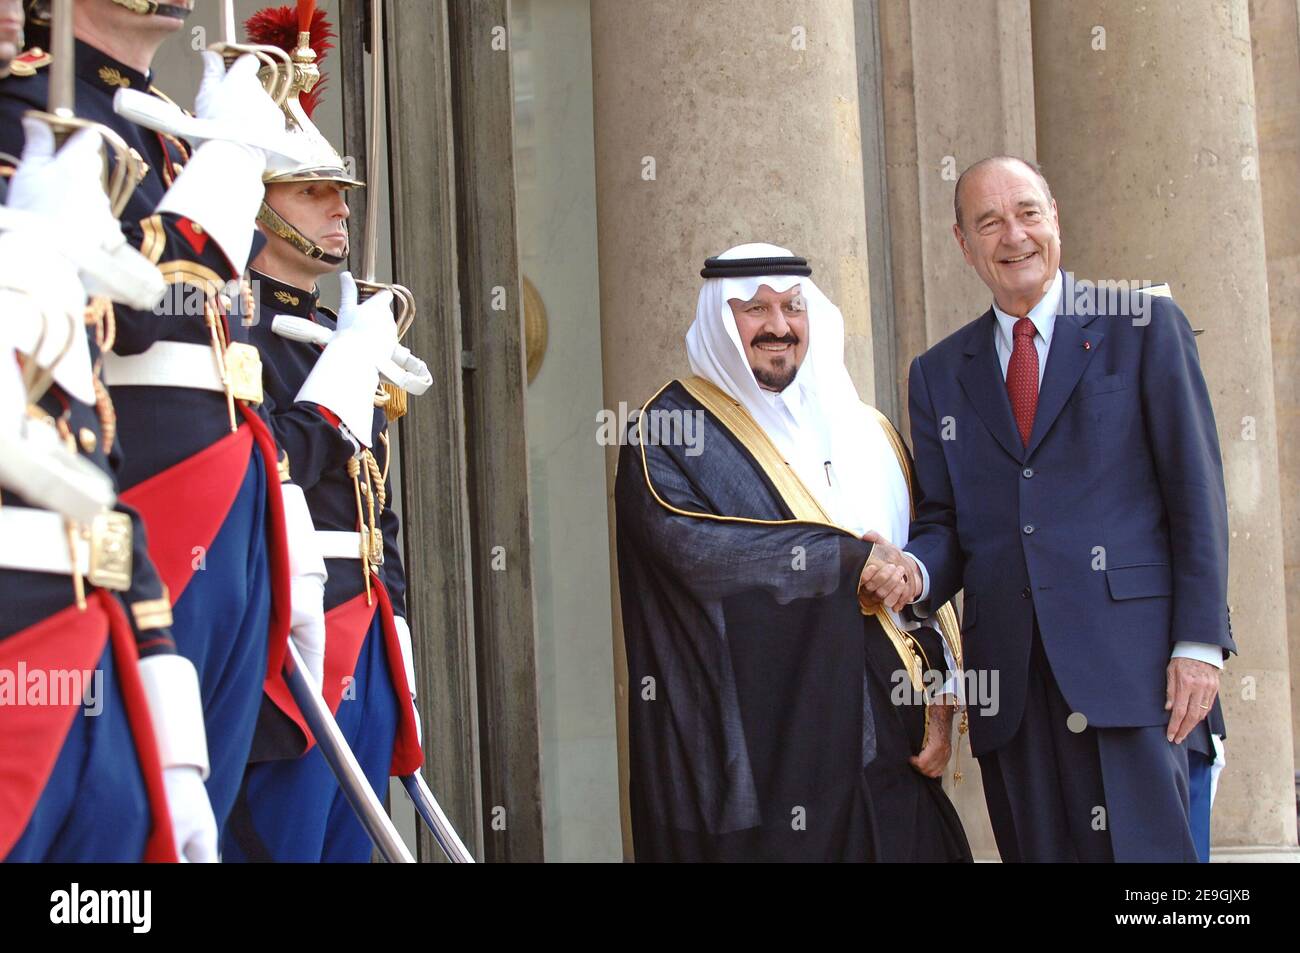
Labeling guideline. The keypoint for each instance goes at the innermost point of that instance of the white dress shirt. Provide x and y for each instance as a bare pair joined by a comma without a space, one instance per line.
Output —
1043,315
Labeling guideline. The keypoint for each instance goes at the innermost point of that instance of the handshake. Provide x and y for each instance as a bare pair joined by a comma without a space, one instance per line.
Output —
890,578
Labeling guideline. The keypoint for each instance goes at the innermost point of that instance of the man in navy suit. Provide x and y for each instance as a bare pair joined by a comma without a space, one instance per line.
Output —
1071,485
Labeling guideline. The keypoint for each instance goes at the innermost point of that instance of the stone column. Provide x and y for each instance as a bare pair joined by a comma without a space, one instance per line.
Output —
1275,43
1146,132
717,123
958,85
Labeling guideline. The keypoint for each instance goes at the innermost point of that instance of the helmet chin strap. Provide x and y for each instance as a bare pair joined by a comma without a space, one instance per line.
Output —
148,8
277,225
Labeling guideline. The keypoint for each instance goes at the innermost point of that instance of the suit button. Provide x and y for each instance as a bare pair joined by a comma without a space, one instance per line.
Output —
1027,472
1024,593
1029,528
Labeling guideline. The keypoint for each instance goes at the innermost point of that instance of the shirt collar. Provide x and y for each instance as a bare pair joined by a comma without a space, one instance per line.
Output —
1042,314
791,397
281,298
101,70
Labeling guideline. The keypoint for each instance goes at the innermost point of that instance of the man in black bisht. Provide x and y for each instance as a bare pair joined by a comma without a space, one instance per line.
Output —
775,715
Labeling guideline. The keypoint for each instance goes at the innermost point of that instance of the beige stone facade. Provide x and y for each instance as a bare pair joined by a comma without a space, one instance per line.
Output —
1169,135
647,136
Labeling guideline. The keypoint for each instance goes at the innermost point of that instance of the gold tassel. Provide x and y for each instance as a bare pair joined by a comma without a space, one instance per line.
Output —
354,471
107,415
962,729
395,407
100,316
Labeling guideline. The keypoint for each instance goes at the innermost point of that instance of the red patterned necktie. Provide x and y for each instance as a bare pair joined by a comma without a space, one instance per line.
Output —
1022,377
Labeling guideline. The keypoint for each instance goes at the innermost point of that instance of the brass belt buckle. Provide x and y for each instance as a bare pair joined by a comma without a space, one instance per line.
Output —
376,547
244,372
110,551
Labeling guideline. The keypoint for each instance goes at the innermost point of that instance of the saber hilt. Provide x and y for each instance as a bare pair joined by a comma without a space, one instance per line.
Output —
277,72
126,168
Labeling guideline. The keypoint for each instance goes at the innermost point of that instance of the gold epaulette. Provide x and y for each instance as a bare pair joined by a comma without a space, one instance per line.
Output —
27,63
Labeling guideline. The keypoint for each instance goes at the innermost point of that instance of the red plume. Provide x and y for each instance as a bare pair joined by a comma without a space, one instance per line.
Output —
278,26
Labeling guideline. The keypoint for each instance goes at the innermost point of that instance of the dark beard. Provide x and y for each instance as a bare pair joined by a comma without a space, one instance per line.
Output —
777,380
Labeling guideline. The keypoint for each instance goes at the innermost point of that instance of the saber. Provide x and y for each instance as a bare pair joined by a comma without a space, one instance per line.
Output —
343,762
126,169
277,65
228,32
62,70
367,285
426,805
370,228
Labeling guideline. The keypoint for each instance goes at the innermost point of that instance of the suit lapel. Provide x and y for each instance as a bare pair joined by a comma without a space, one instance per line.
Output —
1073,345
981,379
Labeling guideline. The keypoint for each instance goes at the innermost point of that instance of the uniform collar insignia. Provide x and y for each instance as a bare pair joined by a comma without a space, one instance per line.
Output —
105,72
282,298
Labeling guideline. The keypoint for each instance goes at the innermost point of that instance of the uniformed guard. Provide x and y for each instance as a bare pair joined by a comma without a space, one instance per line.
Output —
102,747
200,464
292,809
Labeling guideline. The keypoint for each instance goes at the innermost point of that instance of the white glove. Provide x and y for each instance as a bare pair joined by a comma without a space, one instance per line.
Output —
66,187
194,827
369,326
64,200
34,461
307,577
171,686
36,464
13,393
221,186
237,97
347,372
408,664
414,374
43,304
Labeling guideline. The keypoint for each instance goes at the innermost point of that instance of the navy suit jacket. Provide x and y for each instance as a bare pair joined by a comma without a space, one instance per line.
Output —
1111,525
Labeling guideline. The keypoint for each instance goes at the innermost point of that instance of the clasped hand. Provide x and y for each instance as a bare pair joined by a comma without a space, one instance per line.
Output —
890,577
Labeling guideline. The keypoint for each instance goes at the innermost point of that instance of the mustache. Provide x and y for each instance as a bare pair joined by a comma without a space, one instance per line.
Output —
767,337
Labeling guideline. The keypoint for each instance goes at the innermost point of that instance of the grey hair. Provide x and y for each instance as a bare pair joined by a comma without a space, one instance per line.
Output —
975,166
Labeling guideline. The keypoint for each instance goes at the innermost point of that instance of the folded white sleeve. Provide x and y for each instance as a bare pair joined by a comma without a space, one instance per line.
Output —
408,655
344,380
221,189
171,686
307,574
304,555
